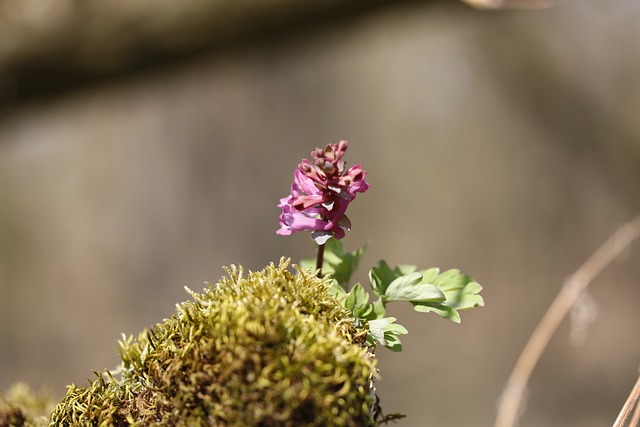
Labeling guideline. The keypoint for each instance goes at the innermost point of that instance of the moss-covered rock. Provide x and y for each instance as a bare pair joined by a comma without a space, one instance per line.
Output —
269,348
21,407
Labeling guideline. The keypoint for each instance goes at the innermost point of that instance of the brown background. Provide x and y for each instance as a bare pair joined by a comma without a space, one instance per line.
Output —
502,143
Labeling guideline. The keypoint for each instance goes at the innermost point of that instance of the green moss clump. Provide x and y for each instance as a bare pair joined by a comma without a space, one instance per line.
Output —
270,348
21,407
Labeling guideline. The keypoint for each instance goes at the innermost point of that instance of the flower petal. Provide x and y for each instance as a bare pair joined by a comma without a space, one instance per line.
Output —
321,237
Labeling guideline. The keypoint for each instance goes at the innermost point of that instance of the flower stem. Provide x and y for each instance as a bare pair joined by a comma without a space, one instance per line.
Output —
320,259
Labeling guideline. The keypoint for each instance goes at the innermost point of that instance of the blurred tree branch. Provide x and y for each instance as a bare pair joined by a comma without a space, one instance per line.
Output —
50,45
513,4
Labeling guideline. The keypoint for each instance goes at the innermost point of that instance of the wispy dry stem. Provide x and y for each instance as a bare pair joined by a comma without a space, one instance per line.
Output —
632,401
636,416
512,395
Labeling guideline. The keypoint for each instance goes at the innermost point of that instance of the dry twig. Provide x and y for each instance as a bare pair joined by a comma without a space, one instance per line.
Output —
557,311
632,401
636,416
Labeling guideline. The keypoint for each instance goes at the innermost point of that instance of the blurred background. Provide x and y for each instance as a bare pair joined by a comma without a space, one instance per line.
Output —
144,145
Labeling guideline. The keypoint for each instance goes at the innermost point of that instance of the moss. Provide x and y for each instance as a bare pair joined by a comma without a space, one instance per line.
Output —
21,407
270,348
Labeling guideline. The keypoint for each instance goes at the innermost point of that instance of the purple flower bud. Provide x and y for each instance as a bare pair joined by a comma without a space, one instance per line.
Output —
320,194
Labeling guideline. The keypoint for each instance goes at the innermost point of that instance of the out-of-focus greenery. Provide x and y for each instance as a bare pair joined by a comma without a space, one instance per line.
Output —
22,407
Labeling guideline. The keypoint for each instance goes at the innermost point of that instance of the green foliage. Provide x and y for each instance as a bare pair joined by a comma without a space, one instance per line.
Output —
337,262
382,276
427,290
461,292
269,348
384,332
410,288
357,298
21,407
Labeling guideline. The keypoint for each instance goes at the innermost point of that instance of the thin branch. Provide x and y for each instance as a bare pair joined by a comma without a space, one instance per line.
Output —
512,395
632,401
636,416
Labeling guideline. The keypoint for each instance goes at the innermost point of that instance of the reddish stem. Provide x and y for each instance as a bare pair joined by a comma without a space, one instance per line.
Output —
319,260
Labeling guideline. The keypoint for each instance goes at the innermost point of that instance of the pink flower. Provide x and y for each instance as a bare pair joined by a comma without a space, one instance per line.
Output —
320,194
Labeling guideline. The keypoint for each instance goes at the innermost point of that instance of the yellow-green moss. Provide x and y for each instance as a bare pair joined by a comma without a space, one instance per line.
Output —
269,348
21,407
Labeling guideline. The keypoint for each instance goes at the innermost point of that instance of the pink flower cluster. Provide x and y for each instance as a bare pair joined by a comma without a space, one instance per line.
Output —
320,194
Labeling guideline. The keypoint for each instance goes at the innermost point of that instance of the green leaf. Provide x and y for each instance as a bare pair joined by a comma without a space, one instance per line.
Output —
337,291
460,290
410,288
395,329
377,310
361,295
376,330
363,312
393,342
358,297
439,308
382,275
340,263
385,332
308,264
427,290
372,311
430,274
337,262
